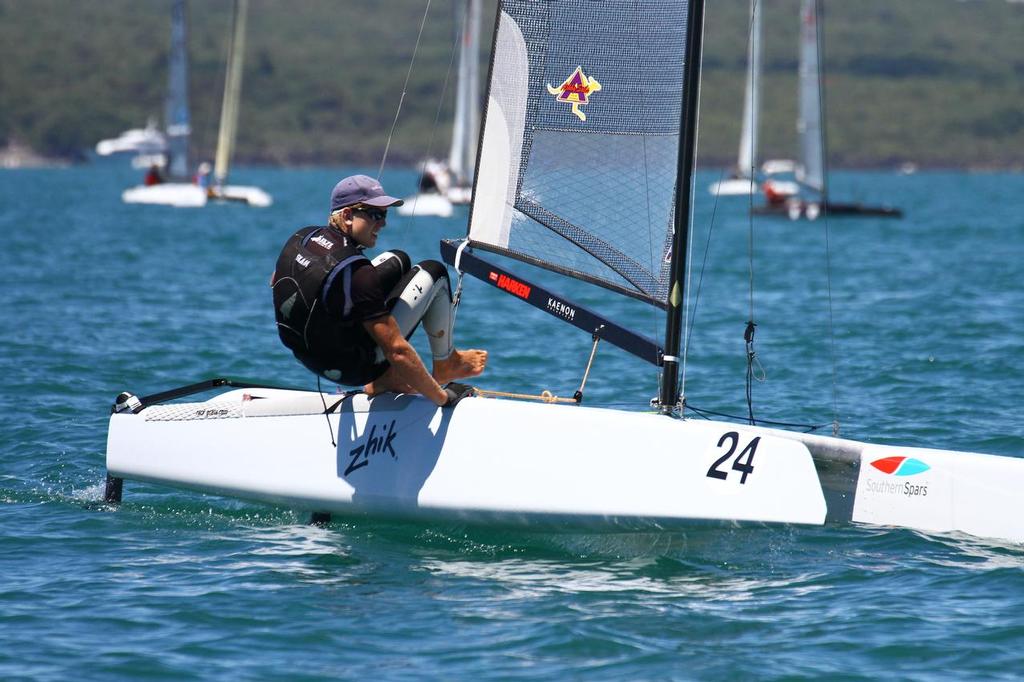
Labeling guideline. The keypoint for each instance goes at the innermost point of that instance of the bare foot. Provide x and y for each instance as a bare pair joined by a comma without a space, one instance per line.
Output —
461,364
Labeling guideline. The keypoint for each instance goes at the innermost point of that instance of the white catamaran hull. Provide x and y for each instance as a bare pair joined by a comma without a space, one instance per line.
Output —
734,187
180,194
402,456
427,204
253,196
187,195
574,466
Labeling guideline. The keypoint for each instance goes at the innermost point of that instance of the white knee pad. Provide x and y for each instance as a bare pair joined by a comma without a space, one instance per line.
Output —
427,300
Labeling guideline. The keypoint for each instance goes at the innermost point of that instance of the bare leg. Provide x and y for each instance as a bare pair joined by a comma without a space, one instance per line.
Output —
461,364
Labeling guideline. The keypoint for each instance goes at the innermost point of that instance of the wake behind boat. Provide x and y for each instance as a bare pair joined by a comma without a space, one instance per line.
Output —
559,143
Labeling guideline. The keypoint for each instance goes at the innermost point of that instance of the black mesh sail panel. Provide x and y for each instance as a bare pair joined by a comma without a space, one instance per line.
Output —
579,152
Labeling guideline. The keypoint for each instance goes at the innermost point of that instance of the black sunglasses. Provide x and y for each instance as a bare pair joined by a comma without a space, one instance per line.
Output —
375,214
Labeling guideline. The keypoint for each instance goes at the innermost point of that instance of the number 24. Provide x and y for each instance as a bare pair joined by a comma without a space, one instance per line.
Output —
744,466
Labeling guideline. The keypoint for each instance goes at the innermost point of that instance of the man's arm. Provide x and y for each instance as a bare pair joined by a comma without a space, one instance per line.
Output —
404,360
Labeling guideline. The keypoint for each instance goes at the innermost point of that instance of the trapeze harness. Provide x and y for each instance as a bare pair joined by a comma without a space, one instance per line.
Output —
329,342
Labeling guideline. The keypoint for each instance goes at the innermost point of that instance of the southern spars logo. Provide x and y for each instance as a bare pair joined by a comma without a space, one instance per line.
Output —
896,468
576,90
900,466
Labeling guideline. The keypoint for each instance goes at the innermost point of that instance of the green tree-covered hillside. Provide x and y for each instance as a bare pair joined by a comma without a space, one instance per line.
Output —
939,82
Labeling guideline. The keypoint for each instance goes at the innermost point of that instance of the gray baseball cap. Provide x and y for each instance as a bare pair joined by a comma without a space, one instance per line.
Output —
360,189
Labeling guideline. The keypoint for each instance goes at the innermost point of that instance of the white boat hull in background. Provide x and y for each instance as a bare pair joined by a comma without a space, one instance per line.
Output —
180,194
429,204
188,195
253,196
574,466
734,187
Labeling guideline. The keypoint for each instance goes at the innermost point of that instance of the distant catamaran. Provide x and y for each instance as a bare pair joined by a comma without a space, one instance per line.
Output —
808,197
444,184
182,191
168,149
586,170
743,178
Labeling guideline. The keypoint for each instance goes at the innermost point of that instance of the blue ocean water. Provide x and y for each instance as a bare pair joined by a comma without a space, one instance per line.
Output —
921,345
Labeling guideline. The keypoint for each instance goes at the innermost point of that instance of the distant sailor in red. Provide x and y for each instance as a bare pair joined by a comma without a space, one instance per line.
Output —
153,176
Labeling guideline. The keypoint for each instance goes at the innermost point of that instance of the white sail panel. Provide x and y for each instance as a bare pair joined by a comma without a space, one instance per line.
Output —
747,159
578,167
502,143
232,92
462,154
811,173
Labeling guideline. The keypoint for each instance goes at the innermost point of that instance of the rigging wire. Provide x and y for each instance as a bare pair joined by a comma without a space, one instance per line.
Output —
700,412
822,132
330,429
687,322
638,40
405,87
440,103
754,370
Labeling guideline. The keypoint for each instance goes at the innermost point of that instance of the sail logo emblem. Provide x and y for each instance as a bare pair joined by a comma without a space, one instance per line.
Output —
900,466
576,90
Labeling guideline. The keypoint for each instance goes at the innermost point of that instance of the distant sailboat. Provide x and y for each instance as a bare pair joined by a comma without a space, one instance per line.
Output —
168,149
742,181
808,196
444,184
184,193
254,196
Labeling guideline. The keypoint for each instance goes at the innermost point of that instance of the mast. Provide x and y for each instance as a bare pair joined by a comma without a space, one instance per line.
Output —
177,115
232,91
467,94
669,393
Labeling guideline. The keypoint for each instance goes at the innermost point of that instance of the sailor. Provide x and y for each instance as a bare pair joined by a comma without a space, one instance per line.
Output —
153,176
202,178
348,318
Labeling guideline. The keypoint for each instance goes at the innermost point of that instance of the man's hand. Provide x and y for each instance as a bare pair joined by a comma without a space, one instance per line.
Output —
406,367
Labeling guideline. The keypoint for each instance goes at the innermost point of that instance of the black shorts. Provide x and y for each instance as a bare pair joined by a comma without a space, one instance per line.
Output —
355,361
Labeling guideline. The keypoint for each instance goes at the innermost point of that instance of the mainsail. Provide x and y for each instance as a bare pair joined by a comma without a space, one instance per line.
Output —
580,144
179,128
232,92
747,160
811,172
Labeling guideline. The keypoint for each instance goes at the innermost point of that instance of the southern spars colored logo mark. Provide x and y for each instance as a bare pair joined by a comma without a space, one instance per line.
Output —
576,90
900,466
